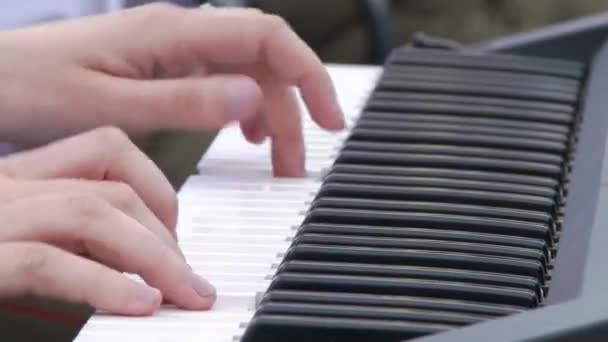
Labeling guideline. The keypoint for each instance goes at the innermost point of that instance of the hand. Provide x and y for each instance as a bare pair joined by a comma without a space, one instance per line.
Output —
163,67
77,213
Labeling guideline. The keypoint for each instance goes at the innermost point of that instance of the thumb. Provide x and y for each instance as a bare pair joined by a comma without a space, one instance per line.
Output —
186,103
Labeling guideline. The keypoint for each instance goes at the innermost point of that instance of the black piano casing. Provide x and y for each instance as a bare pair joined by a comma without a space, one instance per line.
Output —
576,308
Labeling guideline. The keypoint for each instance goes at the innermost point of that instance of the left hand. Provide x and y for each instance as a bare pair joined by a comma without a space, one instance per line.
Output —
163,67
78,213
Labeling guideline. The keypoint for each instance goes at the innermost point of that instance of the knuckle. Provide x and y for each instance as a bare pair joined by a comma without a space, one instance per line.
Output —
150,16
34,259
254,11
123,195
159,9
86,209
112,135
114,140
183,98
276,22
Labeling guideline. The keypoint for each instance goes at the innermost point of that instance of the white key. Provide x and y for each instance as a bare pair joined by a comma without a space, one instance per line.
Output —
254,237
250,228
262,248
232,256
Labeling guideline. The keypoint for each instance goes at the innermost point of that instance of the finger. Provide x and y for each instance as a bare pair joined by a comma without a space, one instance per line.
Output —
234,38
101,154
91,226
191,103
119,195
285,128
280,119
43,270
254,129
270,41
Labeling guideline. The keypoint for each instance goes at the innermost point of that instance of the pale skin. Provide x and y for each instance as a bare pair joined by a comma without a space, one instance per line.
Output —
88,205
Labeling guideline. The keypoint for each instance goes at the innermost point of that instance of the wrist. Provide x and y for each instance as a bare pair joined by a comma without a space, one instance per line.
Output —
6,84
20,93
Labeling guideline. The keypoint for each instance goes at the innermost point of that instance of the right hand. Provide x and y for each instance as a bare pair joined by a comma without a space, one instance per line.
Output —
192,70
79,212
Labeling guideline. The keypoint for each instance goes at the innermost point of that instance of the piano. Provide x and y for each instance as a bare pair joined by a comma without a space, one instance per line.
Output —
467,200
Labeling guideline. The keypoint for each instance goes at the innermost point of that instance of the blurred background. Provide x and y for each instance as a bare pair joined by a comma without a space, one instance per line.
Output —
353,31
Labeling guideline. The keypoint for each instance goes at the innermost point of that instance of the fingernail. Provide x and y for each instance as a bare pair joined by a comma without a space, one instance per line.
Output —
145,296
340,114
242,96
338,121
259,134
202,287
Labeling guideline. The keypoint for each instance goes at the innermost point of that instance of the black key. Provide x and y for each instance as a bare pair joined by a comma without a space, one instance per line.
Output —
389,301
368,312
510,63
336,177
426,233
470,88
421,244
473,100
281,328
469,110
458,119
473,79
390,125
458,139
449,161
412,272
404,286
385,192
431,220
500,102
453,173
469,119
439,73
482,152
393,256
433,207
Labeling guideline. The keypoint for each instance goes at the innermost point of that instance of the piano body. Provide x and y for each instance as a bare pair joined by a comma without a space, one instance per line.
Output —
467,201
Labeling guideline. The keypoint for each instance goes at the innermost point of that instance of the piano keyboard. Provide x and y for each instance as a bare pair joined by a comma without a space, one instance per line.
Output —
439,207
235,221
